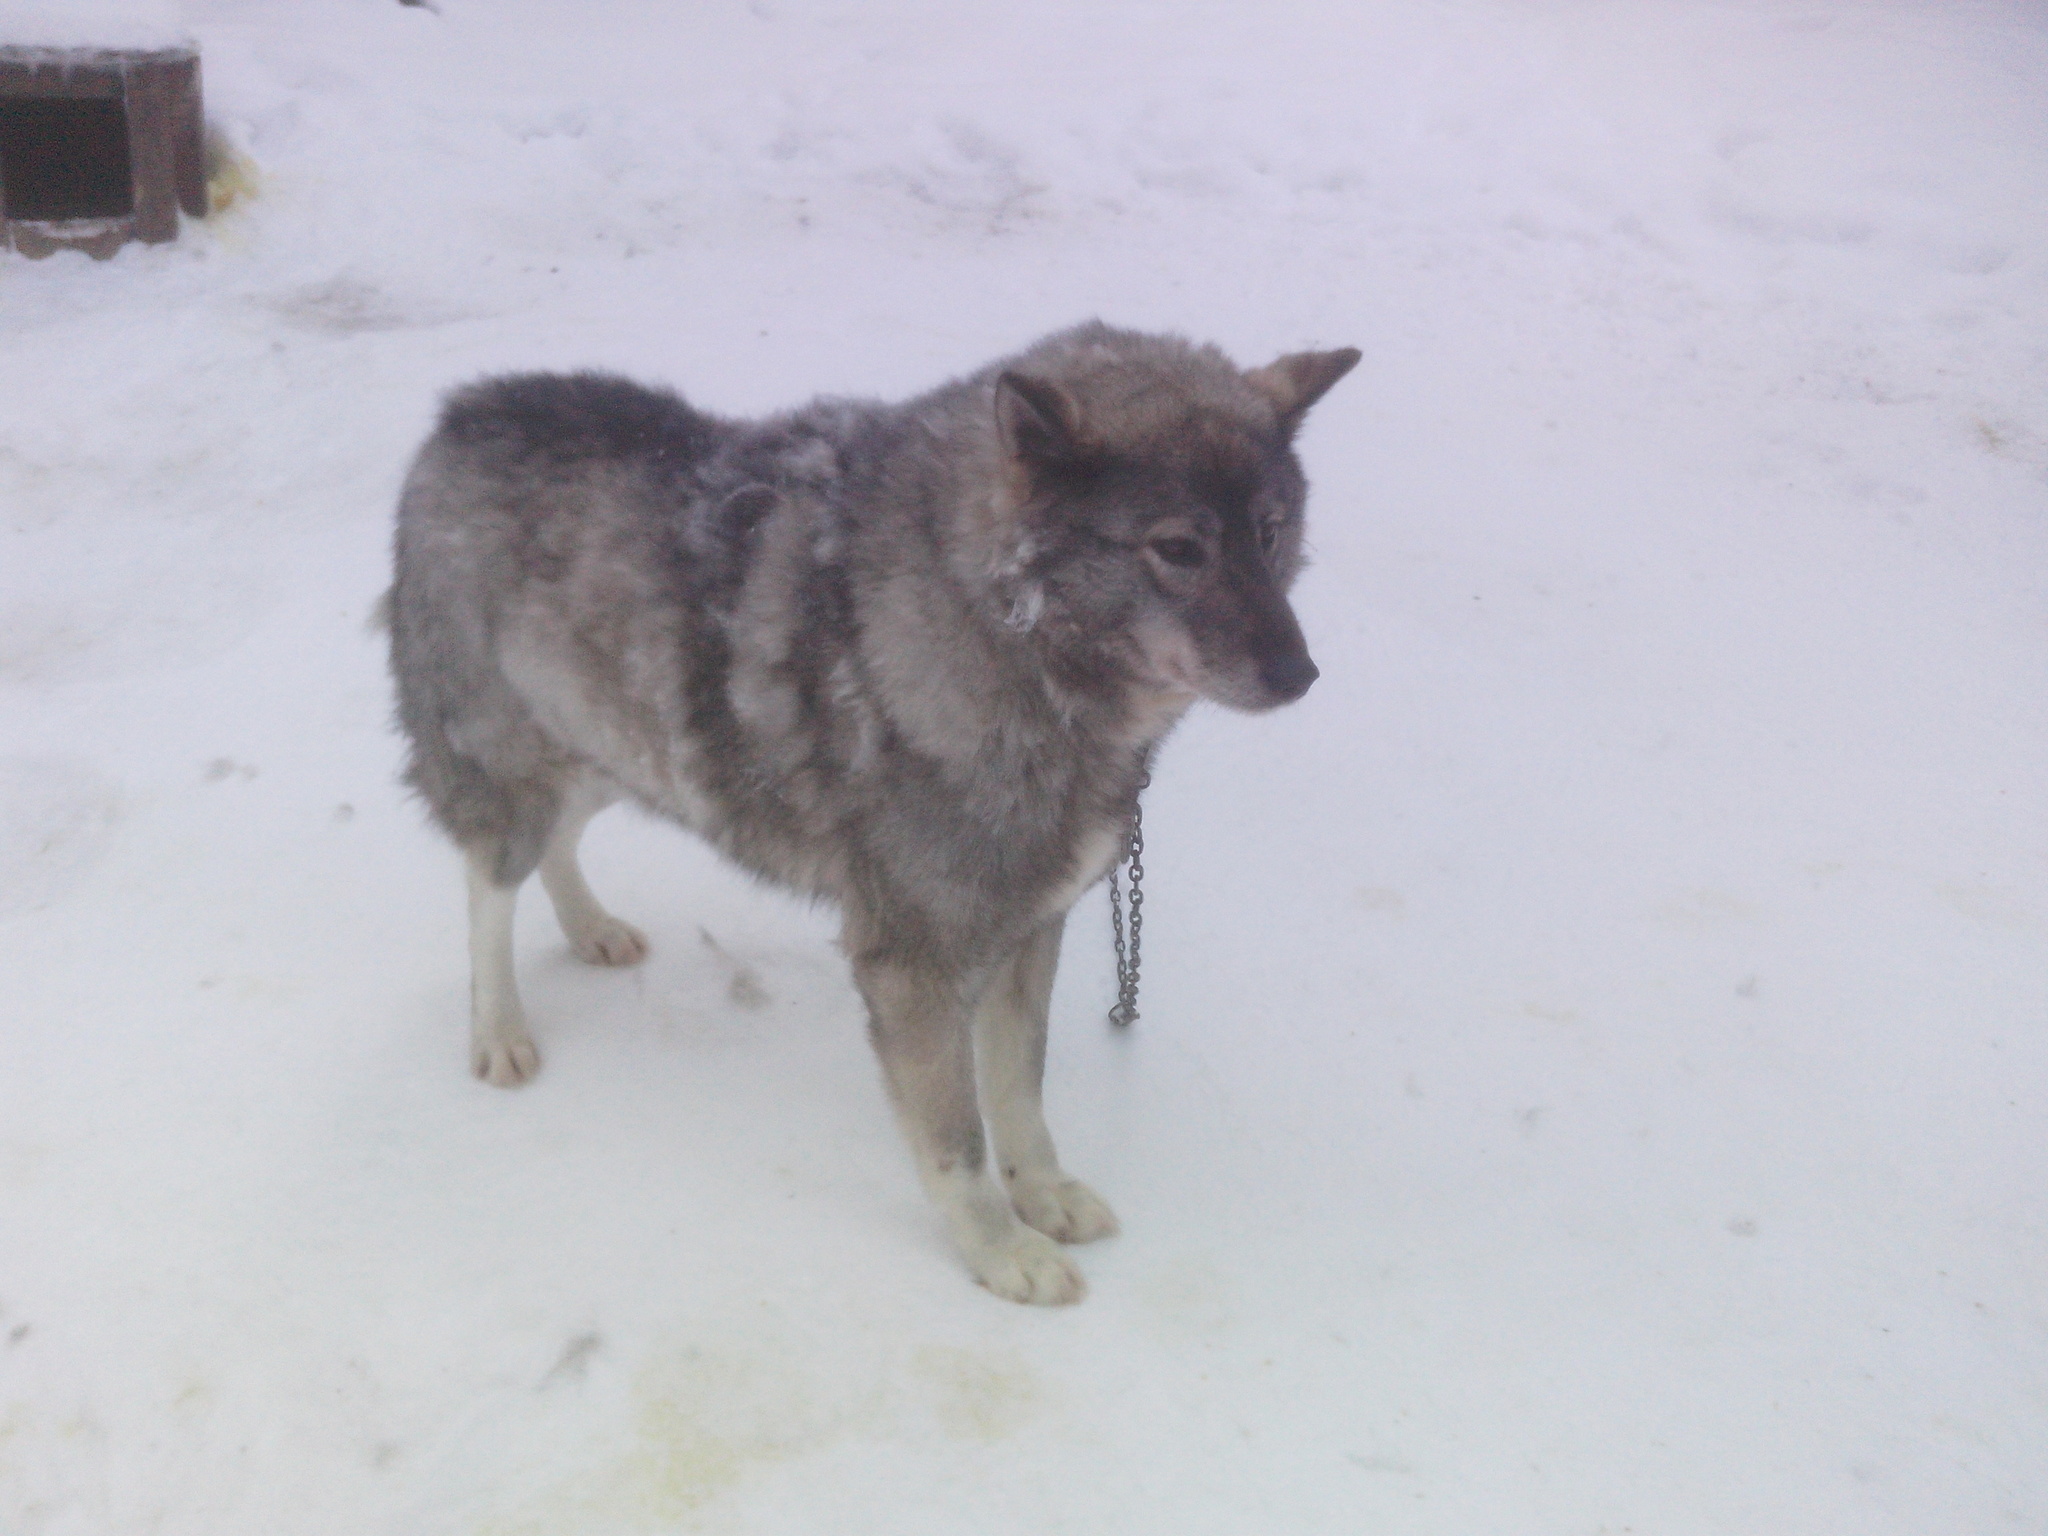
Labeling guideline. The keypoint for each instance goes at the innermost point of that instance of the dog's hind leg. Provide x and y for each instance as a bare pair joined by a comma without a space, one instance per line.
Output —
501,1052
1009,1054
594,934
922,1026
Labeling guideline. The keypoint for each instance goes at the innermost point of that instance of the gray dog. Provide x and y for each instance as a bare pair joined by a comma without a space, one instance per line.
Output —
911,658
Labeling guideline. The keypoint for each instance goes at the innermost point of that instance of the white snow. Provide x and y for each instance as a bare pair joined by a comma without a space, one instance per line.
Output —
91,24
1594,1066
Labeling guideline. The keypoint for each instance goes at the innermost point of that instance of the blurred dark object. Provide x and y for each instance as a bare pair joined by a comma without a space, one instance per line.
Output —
98,147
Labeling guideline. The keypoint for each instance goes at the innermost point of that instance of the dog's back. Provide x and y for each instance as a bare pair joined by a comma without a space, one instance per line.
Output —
528,482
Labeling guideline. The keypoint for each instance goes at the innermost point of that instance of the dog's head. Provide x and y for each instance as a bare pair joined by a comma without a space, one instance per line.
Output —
1156,507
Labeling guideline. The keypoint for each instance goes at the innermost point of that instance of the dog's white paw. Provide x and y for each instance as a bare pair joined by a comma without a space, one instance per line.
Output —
1065,1210
1026,1267
607,940
504,1061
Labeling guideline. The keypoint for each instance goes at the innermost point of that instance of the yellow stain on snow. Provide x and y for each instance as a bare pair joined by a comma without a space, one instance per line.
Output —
702,1420
706,1421
977,1395
21,1162
231,177
1991,906
1189,1297
1706,911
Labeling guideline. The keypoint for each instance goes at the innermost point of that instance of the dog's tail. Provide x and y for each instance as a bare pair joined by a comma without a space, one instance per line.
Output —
379,621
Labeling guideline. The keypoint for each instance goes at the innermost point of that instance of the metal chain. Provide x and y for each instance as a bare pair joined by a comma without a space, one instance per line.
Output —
1125,1013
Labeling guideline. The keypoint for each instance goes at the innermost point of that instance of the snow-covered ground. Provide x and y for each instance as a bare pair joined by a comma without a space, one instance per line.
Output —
1594,1067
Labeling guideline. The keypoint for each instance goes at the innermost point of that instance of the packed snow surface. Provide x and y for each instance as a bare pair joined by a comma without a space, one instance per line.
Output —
1594,1066
91,24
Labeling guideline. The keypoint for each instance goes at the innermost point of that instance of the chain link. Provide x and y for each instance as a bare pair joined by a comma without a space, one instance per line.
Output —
1125,1013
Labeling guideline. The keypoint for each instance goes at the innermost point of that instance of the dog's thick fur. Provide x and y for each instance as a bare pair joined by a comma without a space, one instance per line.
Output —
909,658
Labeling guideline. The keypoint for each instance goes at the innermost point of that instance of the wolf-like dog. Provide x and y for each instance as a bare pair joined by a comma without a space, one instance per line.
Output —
911,659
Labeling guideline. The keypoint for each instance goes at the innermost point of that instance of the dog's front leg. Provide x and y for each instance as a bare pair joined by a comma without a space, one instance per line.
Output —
1009,1053
921,1024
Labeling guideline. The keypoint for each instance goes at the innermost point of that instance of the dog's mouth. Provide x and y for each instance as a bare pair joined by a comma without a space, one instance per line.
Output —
1169,665
1252,696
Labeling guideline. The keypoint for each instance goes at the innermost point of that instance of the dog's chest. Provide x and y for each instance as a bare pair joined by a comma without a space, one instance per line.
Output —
1096,851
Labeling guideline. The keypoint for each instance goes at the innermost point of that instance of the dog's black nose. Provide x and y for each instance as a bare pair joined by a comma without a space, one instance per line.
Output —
1289,675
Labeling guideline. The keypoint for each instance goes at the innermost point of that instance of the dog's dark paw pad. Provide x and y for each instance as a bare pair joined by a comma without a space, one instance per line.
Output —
505,1063
609,941
1029,1269
1067,1211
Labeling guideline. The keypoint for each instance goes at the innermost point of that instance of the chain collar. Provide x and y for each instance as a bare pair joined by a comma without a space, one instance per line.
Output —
1125,1013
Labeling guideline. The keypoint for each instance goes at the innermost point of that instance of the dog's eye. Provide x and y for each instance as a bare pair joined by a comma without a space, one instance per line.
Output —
1182,552
1269,539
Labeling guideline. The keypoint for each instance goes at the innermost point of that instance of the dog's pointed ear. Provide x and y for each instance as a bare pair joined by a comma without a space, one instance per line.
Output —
1038,421
1297,381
